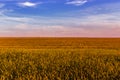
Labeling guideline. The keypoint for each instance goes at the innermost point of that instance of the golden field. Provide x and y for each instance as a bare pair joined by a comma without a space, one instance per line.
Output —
59,58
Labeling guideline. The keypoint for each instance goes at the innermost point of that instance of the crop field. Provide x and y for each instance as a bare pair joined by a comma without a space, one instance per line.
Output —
59,58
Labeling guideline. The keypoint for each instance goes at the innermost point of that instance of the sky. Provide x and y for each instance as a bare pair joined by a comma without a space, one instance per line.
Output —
59,18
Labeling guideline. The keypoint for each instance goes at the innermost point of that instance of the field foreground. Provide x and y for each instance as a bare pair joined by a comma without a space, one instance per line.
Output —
59,59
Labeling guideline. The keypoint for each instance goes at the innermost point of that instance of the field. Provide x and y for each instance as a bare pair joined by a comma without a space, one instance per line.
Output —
59,58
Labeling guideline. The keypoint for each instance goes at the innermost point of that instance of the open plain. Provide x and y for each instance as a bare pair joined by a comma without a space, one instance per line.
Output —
59,58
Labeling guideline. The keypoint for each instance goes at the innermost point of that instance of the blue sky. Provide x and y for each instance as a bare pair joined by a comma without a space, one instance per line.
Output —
60,18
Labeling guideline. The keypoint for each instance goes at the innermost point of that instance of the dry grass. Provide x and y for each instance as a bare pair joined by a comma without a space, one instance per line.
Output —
59,59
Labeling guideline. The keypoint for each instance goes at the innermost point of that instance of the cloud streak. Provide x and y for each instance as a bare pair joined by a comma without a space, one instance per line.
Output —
2,5
77,2
28,4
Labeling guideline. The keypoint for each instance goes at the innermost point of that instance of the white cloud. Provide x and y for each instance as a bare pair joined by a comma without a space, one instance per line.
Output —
28,4
77,2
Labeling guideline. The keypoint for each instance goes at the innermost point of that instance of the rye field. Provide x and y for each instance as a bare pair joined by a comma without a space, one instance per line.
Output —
59,58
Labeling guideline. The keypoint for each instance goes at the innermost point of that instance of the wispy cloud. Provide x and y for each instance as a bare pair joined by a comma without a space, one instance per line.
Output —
28,4
101,21
77,2
2,5
4,11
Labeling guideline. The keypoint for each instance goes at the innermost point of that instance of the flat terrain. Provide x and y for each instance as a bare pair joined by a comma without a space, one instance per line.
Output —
59,58
60,43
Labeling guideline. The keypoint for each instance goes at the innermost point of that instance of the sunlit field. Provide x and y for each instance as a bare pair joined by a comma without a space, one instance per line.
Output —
59,59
